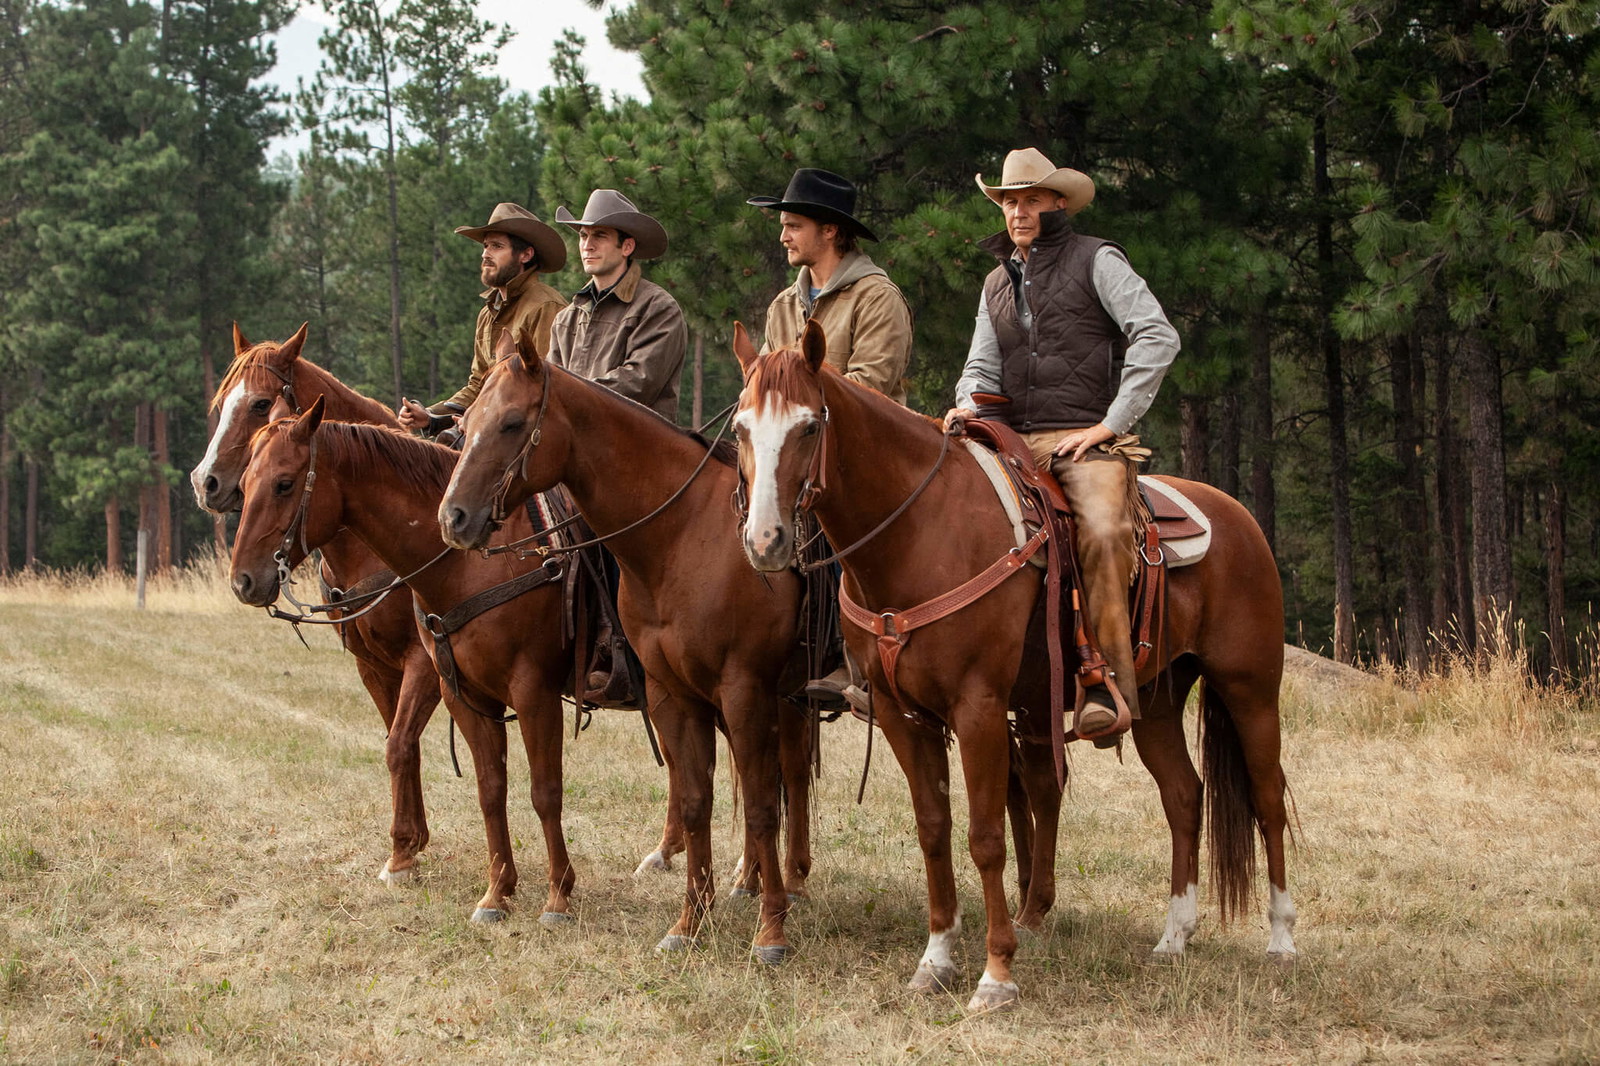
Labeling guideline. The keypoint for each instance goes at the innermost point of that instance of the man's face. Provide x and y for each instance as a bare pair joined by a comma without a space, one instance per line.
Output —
500,263
1022,209
806,240
603,250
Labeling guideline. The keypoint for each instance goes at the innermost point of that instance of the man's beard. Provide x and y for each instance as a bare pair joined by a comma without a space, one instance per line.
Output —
499,279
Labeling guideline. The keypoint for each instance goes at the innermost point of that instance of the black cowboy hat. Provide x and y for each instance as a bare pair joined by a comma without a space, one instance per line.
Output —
820,195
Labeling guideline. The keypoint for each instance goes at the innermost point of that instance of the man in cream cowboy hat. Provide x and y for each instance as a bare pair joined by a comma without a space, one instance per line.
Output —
863,314
621,330
517,248
1073,338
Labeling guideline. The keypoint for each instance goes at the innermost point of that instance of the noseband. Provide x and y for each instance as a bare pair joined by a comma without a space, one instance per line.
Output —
519,462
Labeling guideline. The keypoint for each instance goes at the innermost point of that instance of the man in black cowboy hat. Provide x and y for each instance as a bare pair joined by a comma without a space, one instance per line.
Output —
863,314
864,317
1073,337
517,248
620,330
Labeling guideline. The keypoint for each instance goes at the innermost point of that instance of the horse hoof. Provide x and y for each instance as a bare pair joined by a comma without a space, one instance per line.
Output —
993,996
488,915
673,943
654,862
555,919
397,877
1165,956
799,897
1026,934
1285,959
740,892
930,980
773,954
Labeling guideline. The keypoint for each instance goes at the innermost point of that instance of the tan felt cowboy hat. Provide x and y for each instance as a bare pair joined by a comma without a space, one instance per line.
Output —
1026,168
519,222
608,207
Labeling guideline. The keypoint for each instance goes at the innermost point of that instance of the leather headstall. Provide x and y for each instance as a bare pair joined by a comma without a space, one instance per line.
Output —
519,462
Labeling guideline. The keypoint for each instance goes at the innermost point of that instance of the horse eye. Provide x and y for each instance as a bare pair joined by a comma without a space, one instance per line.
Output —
283,486
514,425
812,428
261,407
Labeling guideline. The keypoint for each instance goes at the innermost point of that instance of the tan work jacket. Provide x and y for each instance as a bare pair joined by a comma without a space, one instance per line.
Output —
528,311
864,317
629,338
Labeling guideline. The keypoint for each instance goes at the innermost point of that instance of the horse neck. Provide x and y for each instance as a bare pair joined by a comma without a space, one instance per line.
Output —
394,511
625,461
341,402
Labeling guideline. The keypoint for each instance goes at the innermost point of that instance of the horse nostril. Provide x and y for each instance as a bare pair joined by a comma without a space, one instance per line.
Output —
210,484
242,584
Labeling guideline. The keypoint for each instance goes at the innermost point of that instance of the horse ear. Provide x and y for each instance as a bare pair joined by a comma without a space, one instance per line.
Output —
742,346
239,343
307,423
289,350
813,345
506,346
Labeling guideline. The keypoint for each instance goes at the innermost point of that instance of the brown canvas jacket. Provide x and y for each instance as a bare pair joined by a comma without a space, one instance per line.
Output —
528,311
631,339
864,317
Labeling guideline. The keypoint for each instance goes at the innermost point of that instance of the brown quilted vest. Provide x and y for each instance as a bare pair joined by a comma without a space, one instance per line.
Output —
1062,373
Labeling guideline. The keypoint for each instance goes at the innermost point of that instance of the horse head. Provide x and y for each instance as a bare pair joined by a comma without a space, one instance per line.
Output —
780,425
514,445
281,517
261,375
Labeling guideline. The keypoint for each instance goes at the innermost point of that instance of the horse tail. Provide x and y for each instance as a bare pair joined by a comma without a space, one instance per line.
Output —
1230,809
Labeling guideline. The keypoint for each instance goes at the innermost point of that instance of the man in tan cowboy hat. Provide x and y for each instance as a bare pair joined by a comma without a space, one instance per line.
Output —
863,314
517,248
620,330
1072,336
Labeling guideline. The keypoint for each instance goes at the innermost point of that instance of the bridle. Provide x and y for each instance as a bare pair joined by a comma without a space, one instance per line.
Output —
519,462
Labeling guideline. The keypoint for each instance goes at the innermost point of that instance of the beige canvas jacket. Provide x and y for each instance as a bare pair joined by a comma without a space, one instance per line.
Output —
630,339
864,317
528,311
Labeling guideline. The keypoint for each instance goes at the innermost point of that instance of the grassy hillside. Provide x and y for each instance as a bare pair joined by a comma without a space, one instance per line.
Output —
193,809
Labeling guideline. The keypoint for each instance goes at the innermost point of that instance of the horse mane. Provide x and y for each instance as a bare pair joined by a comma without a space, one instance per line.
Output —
362,446
256,356
725,451
783,374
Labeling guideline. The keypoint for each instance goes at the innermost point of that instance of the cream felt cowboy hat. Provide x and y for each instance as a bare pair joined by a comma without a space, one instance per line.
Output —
519,222
608,207
1026,168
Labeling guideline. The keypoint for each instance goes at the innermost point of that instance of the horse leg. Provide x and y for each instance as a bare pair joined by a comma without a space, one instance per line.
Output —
672,832
1021,817
795,740
980,728
753,721
1159,739
539,715
921,753
417,697
1035,770
686,730
486,740
1251,703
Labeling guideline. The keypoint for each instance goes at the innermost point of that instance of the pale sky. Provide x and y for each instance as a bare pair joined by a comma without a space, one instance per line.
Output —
524,63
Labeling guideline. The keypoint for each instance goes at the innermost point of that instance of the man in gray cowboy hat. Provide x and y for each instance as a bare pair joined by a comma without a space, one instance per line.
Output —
863,314
517,248
864,317
627,334
1058,317
621,330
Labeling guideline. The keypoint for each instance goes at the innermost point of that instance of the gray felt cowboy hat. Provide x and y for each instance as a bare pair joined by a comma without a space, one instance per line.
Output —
608,207
820,195
1027,168
519,222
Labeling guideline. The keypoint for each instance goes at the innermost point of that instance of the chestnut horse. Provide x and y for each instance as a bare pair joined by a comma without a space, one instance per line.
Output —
713,636
390,657
307,479
806,434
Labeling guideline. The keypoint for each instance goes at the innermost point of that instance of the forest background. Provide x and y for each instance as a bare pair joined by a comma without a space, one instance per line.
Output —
1373,222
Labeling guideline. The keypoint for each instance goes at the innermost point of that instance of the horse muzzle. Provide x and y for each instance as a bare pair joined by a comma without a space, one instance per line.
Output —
769,549
255,589
210,494
461,528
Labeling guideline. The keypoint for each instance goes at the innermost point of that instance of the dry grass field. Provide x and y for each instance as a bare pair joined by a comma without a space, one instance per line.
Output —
193,809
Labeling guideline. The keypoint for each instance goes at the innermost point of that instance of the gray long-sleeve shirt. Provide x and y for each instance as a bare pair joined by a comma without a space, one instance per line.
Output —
1152,342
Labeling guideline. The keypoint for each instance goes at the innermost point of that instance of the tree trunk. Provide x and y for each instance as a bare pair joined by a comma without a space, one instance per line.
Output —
699,379
1411,507
396,348
1555,547
1263,491
163,559
30,515
113,536
1491,545
1194,432
5,487
1228,443
1344,586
